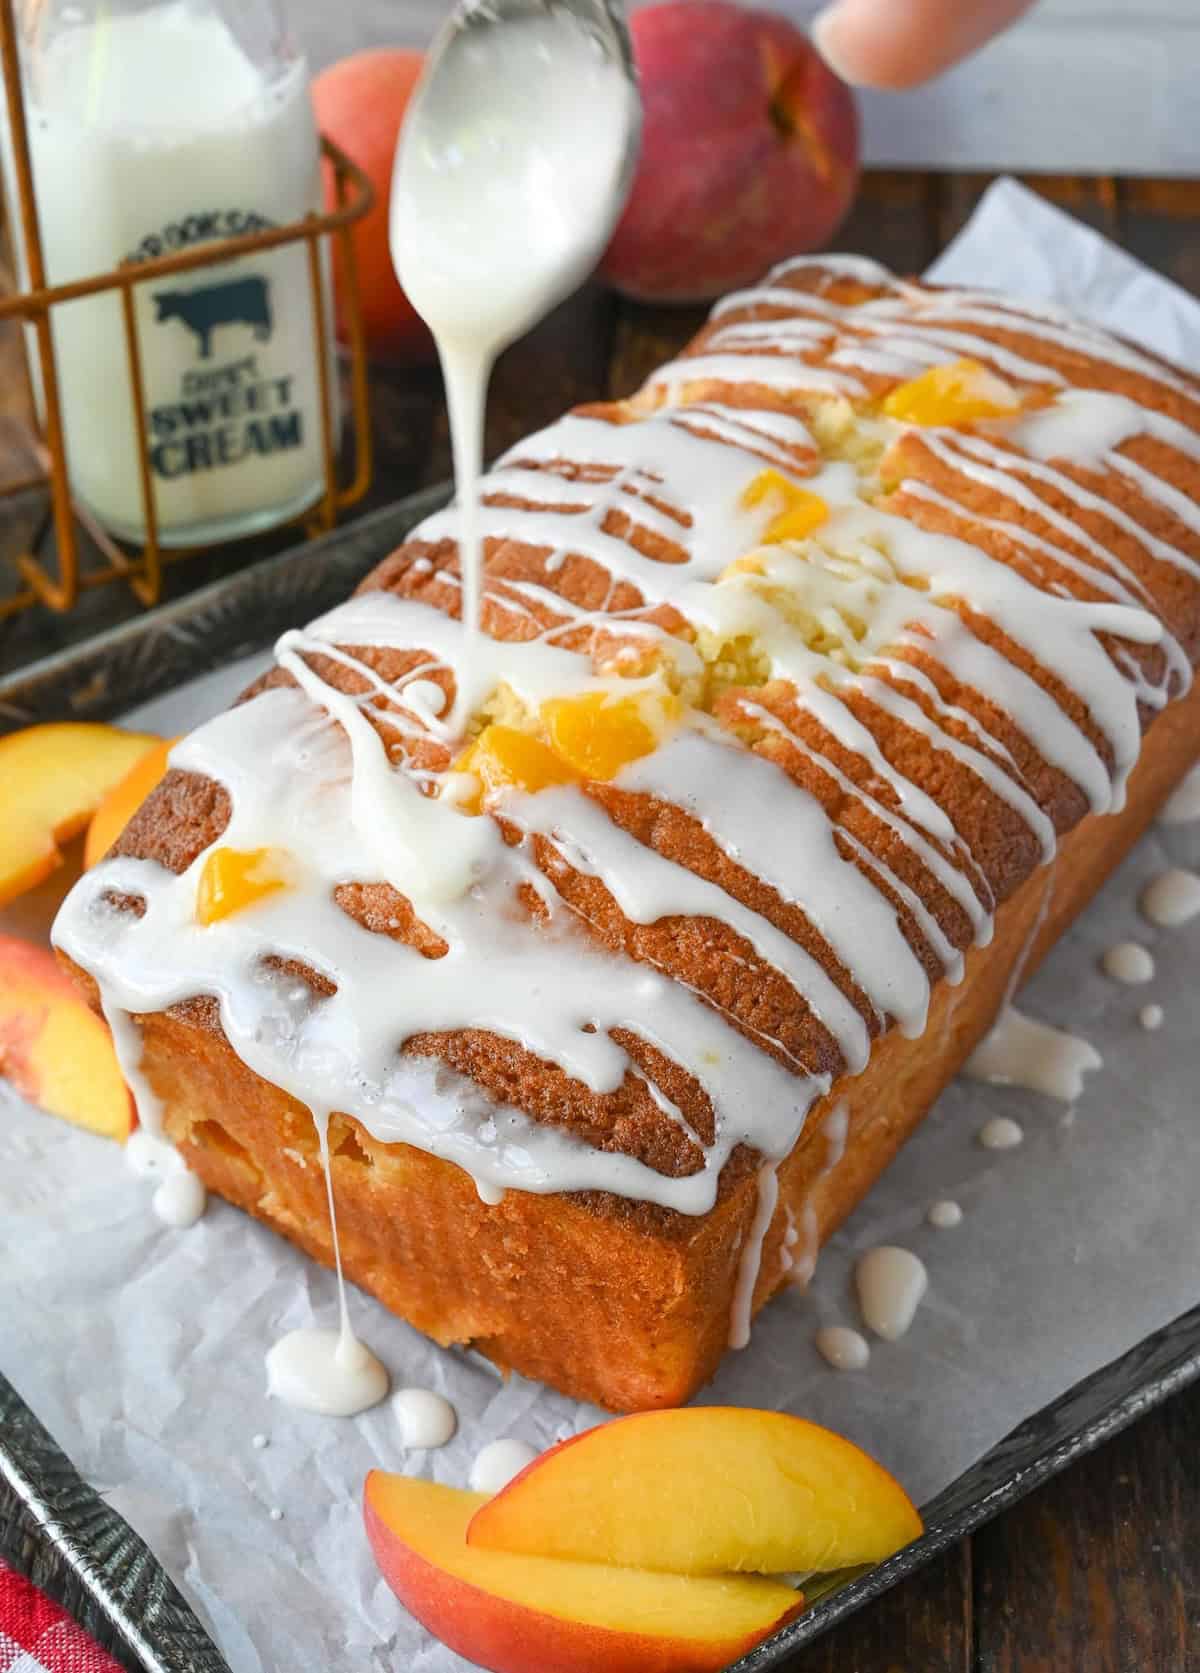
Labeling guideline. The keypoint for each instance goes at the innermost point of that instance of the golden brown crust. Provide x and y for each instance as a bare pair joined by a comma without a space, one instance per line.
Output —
609,1300
1060,543
187,814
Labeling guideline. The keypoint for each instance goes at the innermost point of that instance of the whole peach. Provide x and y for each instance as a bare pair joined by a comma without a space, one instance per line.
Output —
749,151
360,104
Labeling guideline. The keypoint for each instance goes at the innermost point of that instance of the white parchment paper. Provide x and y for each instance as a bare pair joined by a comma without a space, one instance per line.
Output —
142,1348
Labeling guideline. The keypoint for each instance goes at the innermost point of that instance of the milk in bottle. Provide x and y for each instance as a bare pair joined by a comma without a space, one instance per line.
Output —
157,126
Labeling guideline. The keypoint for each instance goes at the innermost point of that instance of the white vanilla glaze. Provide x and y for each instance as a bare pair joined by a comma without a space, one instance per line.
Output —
321,772
497,1463
909,571
341,1051
802,1242
1001,1133
750,1259
1182,806
843,1348
890,1282
1172,898
1020,1051
327,1371
179,1197
944,1214
426,1419
1128,961
148,1156
1151,1017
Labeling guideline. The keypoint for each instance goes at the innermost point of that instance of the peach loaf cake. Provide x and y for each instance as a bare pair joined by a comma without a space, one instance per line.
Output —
607,953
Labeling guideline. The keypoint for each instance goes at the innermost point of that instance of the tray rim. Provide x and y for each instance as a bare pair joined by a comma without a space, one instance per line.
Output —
70,683
132,1598
211,627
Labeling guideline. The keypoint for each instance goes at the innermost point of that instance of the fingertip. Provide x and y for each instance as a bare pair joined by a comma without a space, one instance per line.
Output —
870,44
827,35
897,44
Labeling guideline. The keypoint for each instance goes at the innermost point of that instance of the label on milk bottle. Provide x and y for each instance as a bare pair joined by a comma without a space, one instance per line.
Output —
230,397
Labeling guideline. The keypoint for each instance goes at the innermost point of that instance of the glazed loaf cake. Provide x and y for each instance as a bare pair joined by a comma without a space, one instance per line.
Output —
606,959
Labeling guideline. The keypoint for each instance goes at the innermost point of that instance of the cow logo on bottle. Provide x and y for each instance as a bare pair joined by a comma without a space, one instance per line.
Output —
230,404
205,309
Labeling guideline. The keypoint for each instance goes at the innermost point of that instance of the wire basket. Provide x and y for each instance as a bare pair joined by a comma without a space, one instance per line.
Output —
141,566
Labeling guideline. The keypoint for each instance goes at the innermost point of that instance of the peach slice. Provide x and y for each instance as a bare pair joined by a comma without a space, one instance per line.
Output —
232,879
54,778
123,801
53,1048
503,757
597,735
591,736
958,393
802,511
530,1614
703,1490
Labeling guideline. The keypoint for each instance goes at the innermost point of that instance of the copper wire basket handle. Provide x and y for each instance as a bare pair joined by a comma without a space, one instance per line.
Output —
142,569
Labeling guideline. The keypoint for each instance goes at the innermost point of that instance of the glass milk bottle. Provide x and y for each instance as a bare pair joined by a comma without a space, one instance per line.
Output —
157,126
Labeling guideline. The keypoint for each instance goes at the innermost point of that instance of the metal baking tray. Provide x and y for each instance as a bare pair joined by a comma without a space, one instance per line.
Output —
54,1526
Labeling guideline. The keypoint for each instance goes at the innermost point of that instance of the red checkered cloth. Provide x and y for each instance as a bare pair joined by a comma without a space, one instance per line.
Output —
36,1636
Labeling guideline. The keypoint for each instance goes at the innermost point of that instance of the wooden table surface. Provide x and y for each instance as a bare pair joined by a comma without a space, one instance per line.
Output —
1099,1571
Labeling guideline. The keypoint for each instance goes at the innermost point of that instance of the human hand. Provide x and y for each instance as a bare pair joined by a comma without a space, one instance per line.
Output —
898,43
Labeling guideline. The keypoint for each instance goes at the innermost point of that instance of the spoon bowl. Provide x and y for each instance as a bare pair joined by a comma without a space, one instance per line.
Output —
515,160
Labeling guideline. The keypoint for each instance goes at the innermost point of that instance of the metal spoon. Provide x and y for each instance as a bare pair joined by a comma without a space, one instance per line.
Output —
451,124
